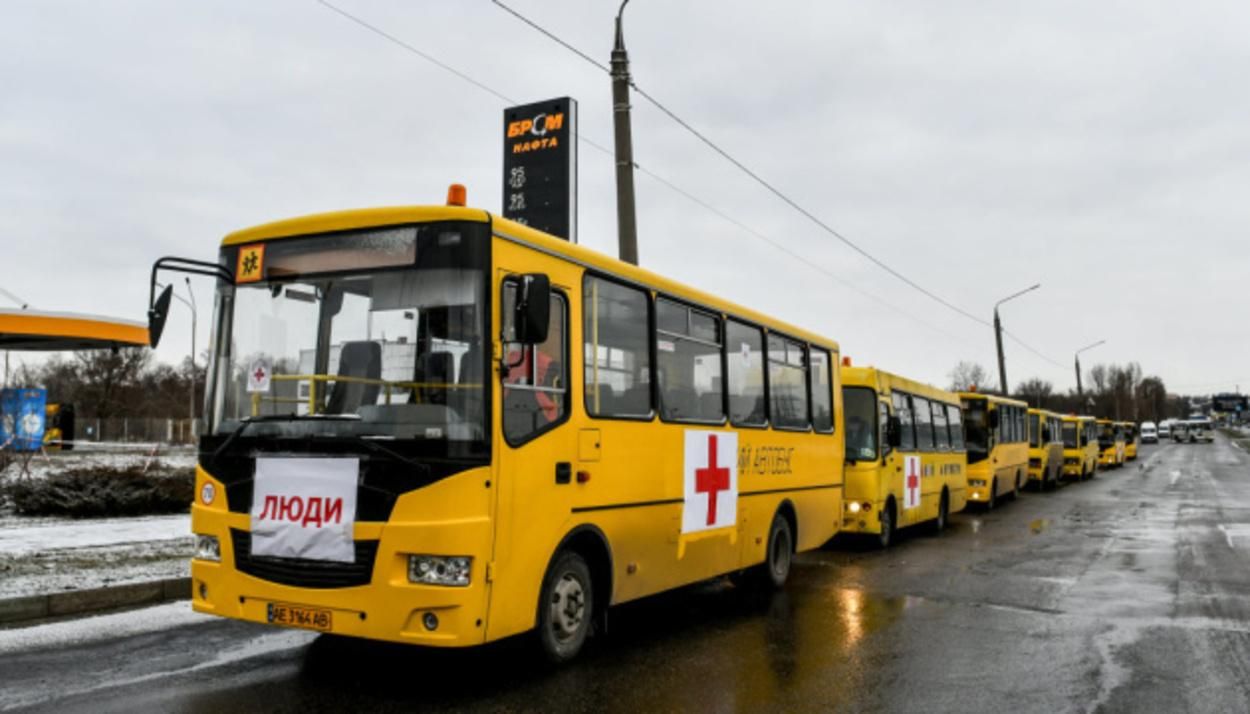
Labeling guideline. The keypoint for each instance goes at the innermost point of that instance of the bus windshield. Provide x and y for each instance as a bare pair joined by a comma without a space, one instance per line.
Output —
375,333
1070,431
1106,435
976,429
860,405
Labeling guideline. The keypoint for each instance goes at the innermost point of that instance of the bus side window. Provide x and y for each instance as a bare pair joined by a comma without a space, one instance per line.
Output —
822,391
616,331
535,390
957,428
688,363
787,383
907,429
923,416
883,428
744,348
941,430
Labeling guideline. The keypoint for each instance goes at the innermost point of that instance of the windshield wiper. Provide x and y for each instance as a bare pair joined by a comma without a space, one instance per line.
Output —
245,422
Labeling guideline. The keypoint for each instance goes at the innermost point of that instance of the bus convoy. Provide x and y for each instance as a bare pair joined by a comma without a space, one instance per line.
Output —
437,426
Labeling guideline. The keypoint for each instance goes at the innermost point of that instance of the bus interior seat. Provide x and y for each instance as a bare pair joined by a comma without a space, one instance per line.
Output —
356,359
434,368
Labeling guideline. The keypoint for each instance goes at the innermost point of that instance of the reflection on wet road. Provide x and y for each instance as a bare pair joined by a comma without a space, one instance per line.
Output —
1126,593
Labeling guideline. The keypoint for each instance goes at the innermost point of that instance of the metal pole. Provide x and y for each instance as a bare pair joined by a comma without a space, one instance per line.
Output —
191,402
1079,392
627,231
1002,364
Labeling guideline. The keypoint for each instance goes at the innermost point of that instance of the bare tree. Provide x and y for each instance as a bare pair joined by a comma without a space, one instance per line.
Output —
970,374
1036,391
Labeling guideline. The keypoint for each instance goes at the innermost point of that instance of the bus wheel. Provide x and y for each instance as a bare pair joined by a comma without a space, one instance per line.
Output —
888,525
780,552
1015,487
565,607
939,523
990,504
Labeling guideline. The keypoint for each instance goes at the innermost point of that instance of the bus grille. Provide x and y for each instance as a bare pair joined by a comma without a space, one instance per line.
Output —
301,573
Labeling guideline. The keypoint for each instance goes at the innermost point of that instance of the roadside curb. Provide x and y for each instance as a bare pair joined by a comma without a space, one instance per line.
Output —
84,602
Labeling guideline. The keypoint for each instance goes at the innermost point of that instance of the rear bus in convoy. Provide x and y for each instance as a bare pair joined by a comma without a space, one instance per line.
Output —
1045,449
1131,440
904,454
1110,444
436,426
997,444
1080,447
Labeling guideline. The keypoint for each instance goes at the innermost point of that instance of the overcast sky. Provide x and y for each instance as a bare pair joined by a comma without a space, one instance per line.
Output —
1101,149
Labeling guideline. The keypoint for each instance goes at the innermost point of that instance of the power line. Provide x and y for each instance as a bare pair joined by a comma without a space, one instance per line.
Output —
756,177
608,152
779,194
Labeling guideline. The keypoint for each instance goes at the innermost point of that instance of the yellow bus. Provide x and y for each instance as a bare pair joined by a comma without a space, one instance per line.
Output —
997,443
436,426
1132,439
1080,447
1110,443
904,453
1045,449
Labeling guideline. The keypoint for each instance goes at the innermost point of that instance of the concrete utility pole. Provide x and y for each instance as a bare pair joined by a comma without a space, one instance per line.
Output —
998,335
1077,359
627,230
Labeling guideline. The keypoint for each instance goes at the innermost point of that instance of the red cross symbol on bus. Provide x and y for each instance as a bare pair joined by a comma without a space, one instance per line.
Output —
913,481
711,479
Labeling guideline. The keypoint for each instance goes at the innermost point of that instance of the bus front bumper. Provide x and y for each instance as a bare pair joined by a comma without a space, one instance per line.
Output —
385,607
862,516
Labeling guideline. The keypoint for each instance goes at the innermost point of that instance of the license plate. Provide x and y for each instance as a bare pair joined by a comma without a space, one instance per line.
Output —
309,618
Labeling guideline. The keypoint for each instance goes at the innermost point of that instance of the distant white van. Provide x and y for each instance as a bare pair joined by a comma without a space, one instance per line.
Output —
1149,434
1165,428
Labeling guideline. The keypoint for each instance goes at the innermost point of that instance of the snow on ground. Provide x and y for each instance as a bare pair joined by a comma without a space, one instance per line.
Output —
100,627
47,555
105,455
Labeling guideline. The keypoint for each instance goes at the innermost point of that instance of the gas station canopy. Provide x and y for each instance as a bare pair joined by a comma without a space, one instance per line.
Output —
35,331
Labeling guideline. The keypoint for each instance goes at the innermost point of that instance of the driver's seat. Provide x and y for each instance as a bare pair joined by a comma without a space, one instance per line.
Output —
356,359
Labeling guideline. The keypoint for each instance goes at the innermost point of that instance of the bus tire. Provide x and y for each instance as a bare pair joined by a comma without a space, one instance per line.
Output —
565,607
990,504
1015,487
944,507
889,525
780,553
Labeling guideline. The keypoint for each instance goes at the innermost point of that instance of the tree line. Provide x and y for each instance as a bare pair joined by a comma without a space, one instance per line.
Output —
1110,391
122,383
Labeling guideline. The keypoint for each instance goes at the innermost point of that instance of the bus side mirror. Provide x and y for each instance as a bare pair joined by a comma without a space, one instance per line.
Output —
994,419
894,432
157,314
533,309
1046,434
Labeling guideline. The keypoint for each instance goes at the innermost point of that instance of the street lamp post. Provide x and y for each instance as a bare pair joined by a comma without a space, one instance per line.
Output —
998,336
1076,358
626,226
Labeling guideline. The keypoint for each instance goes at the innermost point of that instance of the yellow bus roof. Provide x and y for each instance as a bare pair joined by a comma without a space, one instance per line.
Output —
879,379
1043,412
508,230
1076,417
996,399
33,330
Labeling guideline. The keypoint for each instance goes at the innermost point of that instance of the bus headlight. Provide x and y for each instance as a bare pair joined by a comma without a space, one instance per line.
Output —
439,569
853,507
207,548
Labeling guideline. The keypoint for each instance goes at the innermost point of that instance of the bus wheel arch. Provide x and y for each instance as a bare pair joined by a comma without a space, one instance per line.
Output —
786,510
944,511
889,523
591,544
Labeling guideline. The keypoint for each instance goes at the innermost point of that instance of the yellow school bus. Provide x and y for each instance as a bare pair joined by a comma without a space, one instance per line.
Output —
1132,438
1080,447
436,426
1045,449
1110,443
997,443
904,453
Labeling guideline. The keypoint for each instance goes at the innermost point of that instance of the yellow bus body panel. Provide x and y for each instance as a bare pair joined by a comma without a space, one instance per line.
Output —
1005,465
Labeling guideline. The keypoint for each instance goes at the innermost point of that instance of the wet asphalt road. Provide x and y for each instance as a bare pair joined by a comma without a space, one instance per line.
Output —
1129,593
